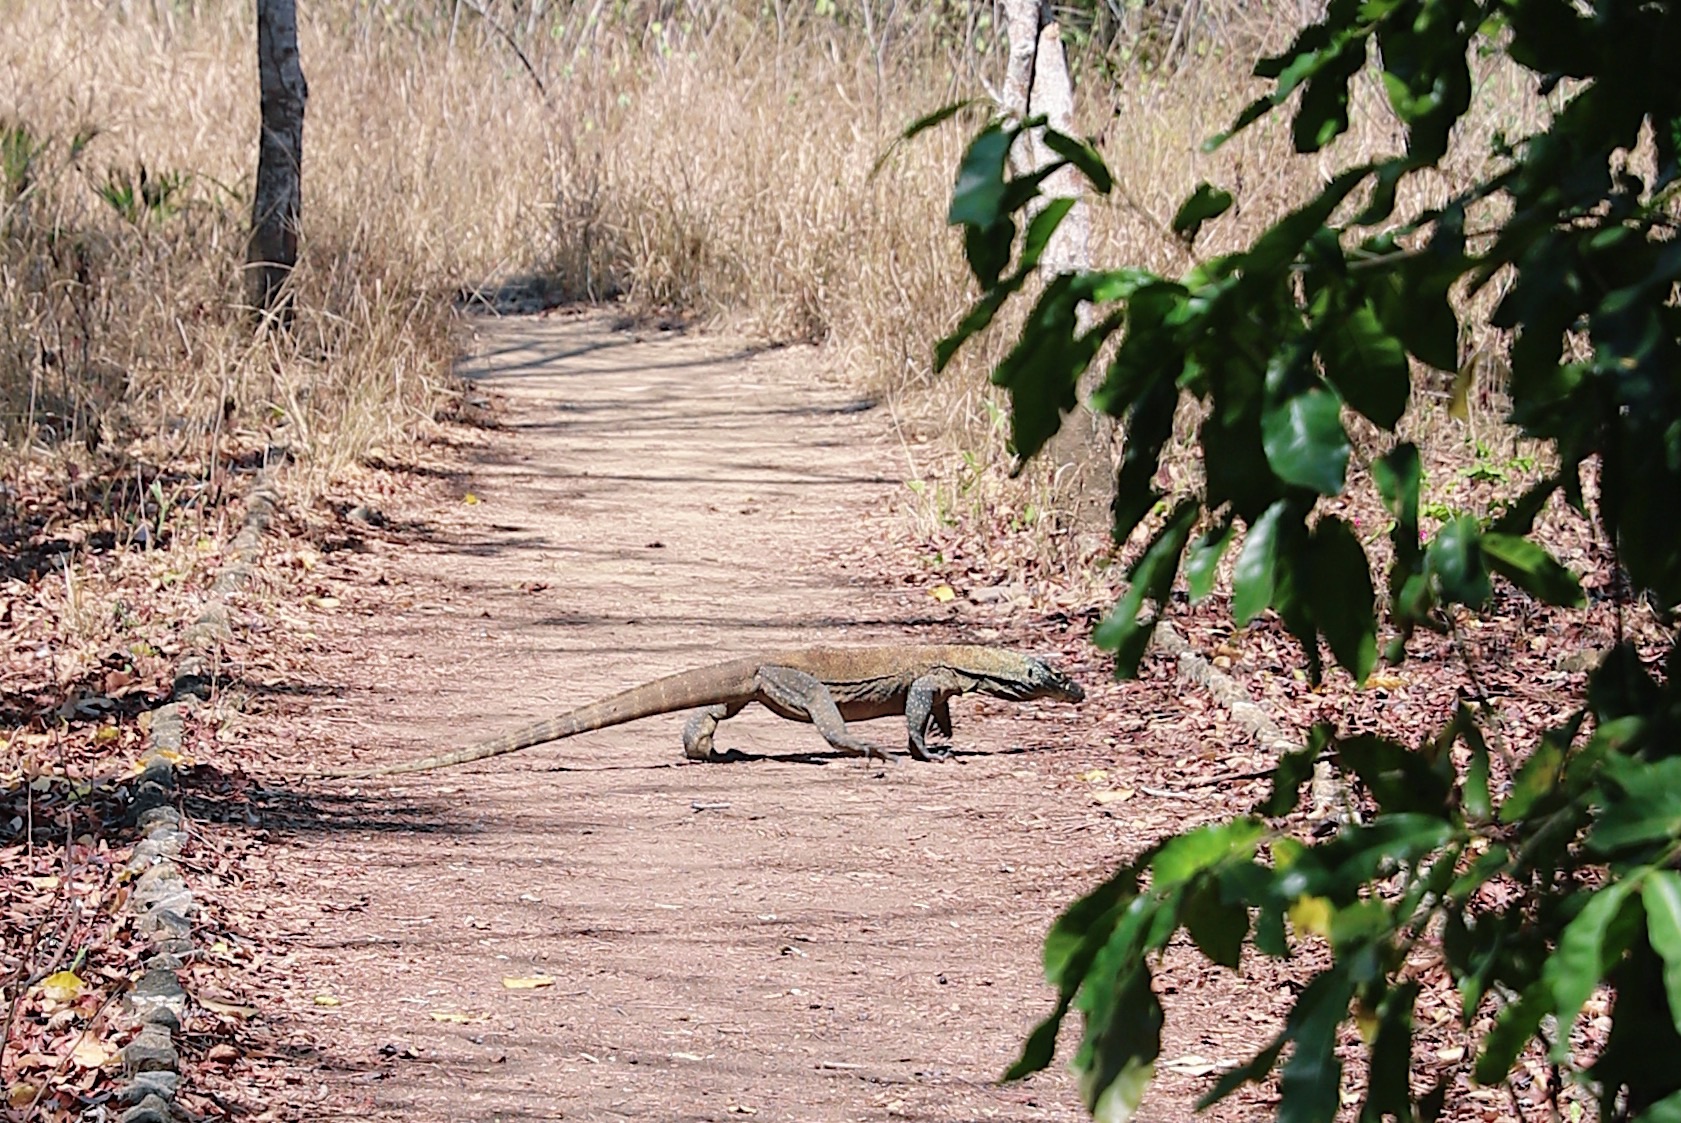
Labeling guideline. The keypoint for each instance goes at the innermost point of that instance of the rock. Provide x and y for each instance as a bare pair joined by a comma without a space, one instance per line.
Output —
151,1109
160,1084
151,1051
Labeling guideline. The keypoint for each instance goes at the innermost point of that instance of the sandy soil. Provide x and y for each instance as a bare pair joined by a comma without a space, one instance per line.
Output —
797,935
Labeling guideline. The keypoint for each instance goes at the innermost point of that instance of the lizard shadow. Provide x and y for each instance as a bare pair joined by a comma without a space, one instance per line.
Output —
817,758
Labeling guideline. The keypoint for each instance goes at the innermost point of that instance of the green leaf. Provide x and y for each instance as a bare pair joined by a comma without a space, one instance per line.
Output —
1456,561
987,249
1388,1091
1311,1081
1303,437
1122,1038
1184,857
979,189
944,113
1256,574
1149,425
1042,371
1322,113
1415,309
1294,767
978,319
1475,794
1202,562
1217,927
1206,203
1537,778
1039,231
1519,517
1588,948
1085,925
1082,155
1514,1027
1648,809
1275,249
1532,569
1359,854
1039,1049
1367,365
1253,1072
1339,592
1398,475
1398,778
1666,1110
918,127
1661,896
1151,579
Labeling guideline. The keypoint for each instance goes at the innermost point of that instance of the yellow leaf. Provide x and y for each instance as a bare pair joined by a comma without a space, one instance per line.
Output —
469,499
1366,1021
527,982
105,734
1459,404
1311,914
1118,795
21,1094
1386,682
90,1052
326,1000
41,784
325,602
61,986
1095,776
44,883
943,593
458,1019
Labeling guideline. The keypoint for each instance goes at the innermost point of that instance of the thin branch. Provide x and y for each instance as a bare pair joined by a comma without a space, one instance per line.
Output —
513,44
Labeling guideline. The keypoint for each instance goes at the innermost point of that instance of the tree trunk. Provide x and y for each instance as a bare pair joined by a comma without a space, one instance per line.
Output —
278,200
1036,83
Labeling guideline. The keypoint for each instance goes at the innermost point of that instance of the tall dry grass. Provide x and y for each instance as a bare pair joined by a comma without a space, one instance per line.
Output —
713,160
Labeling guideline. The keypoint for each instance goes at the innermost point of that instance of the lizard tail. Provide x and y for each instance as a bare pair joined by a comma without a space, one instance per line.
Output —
684,691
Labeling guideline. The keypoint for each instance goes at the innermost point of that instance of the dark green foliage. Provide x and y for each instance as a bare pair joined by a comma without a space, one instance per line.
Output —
1326,311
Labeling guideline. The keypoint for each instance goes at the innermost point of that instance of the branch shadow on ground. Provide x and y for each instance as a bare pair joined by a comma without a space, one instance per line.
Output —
295,809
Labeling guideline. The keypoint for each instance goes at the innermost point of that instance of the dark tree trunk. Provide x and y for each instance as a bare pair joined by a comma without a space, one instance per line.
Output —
278,201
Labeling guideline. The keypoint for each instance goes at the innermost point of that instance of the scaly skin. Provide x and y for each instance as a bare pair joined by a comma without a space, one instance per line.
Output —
826,686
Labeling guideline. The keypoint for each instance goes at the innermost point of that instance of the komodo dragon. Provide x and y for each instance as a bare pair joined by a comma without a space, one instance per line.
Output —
827,686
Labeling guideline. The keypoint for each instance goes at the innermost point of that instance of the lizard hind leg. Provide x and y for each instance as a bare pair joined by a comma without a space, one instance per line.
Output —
698,730
803,697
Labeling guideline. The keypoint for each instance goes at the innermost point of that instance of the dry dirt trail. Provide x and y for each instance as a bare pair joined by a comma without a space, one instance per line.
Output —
795,936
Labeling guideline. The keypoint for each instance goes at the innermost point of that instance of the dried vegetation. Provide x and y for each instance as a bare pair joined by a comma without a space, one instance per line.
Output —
706,163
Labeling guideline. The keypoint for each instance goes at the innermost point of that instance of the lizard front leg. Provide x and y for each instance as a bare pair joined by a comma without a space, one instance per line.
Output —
698,731
927,704
803,697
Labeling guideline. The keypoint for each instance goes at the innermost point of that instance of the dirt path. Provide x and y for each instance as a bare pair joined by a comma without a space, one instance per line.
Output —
795,936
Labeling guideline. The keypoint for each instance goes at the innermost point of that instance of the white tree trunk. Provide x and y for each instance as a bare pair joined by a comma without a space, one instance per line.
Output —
277,204
1036,84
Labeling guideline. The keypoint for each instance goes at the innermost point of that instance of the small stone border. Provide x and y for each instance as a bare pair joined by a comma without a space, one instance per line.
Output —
1246,712
161,901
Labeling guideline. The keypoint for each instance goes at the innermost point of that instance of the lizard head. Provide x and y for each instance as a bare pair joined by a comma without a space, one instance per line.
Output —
1036,678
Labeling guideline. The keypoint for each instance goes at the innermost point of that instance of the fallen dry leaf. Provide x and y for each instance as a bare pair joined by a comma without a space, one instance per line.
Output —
91,1052
61,986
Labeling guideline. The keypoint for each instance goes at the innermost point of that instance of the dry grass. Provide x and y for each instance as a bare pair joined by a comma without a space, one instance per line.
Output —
720,168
